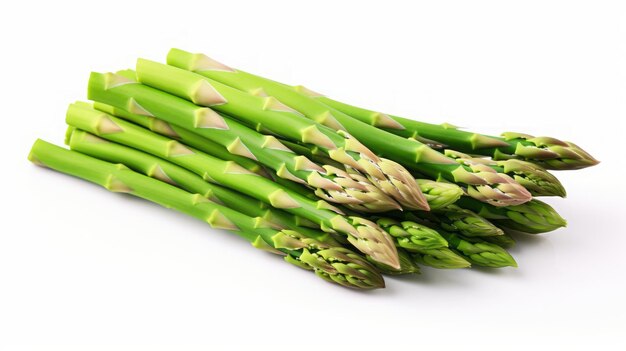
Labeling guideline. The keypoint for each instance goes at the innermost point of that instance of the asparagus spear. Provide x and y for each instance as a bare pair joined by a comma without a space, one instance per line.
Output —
170,173
175,132
267,113
456,219
334,264
363,234
533,177
482,182
331,183
407,265
532,217
425,245
478,251
547,152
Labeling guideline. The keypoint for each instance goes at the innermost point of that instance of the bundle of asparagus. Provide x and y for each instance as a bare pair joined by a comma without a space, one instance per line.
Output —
345,192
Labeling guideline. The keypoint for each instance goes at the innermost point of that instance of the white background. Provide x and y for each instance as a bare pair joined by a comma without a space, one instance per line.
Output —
81,266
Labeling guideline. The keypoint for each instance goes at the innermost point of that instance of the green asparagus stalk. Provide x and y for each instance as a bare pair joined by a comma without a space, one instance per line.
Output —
407,265
533,177
333,264
412,236
504,241
532,217
547,152
267,113
168,172
363,234
330,183
183,135
478,251
456,219
438,194
482,182
442,258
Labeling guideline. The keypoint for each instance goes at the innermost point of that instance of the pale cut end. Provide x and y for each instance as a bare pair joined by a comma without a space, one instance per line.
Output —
32,158
158,173
174,149
207,118
107,126
260,244
134,107
302,163
281,199
164,128
312,135
326,206
330,121
383,120
234,168
270,142
206,95
283,172
260,92
237,147
317,181
219,221
480,141
116,185
202,62
272,104
306,91
112,80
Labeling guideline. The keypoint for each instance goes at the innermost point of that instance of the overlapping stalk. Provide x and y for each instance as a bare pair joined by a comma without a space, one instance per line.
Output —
297,174
482,182
332,263
548,152
269,114
331,183
363,234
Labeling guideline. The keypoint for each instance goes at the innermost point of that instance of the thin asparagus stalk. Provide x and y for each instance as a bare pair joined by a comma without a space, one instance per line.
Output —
363,234
547,152
482,182
534,178
331,183
170,173
333,264
533,217
267,113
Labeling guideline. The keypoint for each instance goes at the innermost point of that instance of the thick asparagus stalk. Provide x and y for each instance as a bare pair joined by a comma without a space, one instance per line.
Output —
482,182
547,152
442,258
267,113
532,217
407,265
331,183
533,177
333,264
363,234
170,173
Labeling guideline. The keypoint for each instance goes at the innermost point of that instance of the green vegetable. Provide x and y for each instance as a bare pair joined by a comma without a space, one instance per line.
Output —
334,264
363,234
